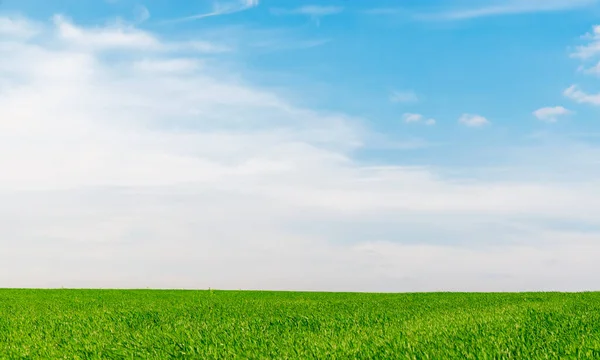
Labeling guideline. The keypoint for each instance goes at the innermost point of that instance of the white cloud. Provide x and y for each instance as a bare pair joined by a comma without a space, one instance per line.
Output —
115,37
510,7
574,93
18,27
141,13
592,48
417,118
200,46
182,65
472,120
125,37
310,10
160,170
551,114
586,52
410,117
220,8
386,11
403,96
594,70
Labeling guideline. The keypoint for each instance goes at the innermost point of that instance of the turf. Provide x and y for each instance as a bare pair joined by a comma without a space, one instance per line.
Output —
146,324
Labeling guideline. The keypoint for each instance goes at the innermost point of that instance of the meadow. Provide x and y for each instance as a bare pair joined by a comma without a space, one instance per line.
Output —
157,324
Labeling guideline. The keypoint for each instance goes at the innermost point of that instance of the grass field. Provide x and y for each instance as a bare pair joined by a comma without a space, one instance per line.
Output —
143,324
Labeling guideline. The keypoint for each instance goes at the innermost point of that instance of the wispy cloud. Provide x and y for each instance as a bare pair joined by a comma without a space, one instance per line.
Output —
240,38
407,96
551,114
590,51
386,11
574,93
125,37
18,27
219,8
473,120
508,7
168,66
141,13
417,118
314,12
410,117
309,10
592,48
289,44
592,70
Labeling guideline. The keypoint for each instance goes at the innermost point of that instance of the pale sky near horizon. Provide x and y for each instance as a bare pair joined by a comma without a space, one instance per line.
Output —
290,145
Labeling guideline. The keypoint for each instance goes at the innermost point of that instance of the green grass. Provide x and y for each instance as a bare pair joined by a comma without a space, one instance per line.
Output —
140,324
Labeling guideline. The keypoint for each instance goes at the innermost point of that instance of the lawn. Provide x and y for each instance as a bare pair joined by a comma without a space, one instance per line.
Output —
153,324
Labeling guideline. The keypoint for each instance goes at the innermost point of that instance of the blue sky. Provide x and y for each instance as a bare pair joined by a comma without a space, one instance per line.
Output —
326,145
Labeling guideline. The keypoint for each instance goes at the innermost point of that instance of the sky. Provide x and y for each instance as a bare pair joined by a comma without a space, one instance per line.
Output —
381,146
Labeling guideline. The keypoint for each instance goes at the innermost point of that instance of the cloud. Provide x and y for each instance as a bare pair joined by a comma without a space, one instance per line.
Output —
181,65
115,37
219,8
417,118
594,70
386,11
18,27
592,48
274,43
472,120
141,13
198,46
586,52
309,10
125,37
574,93
550,114
403,97
509,7
409,117
161,169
